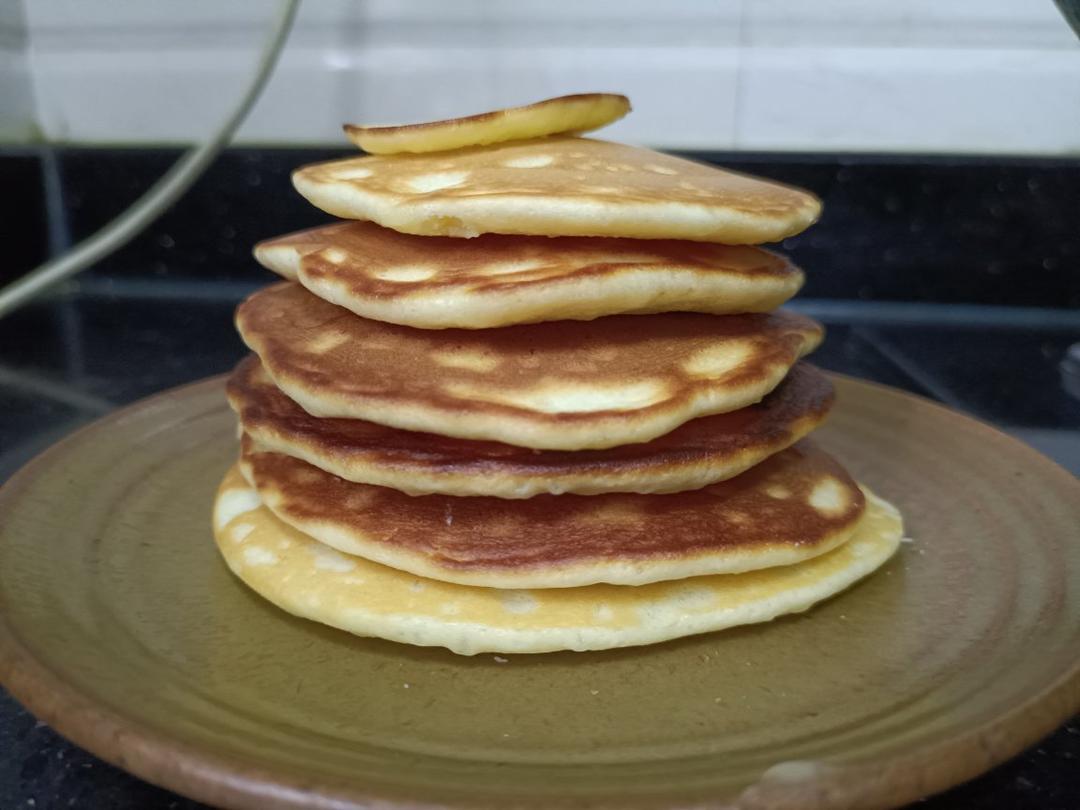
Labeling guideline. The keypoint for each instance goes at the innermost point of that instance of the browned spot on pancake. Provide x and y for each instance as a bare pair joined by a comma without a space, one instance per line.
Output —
731,518
391,374
364,451
357,501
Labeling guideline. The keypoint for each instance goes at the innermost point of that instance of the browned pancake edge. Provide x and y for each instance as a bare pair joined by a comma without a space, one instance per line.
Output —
697,453
793,506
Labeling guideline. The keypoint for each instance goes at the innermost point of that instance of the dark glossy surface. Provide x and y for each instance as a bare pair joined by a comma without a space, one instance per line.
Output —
940,230
997,234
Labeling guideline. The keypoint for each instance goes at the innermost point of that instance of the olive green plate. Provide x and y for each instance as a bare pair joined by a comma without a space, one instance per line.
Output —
120,627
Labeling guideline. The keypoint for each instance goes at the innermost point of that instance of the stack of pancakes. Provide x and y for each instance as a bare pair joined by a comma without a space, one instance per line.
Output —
579,428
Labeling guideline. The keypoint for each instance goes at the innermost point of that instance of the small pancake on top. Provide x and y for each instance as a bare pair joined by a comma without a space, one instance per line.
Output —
582,112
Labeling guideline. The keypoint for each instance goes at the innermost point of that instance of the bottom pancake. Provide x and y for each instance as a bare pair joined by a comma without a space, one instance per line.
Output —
315,582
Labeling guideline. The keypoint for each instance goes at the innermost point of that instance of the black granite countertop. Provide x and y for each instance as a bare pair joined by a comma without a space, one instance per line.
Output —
957,279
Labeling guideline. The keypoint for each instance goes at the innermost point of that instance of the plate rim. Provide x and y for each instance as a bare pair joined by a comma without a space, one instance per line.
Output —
225,780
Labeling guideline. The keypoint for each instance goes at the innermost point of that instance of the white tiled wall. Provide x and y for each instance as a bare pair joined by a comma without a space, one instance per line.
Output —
17,119
929,75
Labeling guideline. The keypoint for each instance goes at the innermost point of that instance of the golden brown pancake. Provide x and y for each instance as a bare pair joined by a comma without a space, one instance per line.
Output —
558,186
494,280
795,505
433,282
567,385
698,453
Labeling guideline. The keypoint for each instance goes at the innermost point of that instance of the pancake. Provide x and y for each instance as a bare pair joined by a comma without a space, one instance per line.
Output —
793,506
558,186
582,112
437,282
698,453
567,385
310,580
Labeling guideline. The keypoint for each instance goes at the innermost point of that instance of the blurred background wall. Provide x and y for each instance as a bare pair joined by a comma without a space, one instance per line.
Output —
998,76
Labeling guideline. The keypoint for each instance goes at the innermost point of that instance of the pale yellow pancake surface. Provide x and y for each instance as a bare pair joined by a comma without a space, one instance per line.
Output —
311,580
582,112
558,186
567,386
435,282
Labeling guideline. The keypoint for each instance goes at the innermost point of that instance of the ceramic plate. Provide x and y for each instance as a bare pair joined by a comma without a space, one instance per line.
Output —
120,627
